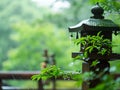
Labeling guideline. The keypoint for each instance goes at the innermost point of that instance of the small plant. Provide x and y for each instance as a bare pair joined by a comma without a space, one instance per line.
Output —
47,73
94,44
54,72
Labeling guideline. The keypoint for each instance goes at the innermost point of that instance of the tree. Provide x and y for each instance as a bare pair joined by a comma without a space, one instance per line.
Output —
12,12
33,39
77,11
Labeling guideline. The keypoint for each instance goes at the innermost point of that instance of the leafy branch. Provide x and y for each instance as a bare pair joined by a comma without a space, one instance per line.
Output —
54,72
47,73
94,44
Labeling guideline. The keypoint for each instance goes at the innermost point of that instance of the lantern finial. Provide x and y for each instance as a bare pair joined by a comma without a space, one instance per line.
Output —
97,11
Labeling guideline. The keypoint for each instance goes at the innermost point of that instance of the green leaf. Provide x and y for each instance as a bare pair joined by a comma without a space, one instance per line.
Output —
94,63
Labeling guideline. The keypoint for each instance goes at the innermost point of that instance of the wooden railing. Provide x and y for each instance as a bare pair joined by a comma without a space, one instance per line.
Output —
26,75
19,75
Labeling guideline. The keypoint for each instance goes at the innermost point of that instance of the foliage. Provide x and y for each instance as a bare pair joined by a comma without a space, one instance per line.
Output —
47,73
32,40
77,11
94,43
53,71
103,47
108,82
116,49
12,12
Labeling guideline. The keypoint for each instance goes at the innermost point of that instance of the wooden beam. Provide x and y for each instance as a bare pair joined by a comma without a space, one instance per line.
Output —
94,56
17,74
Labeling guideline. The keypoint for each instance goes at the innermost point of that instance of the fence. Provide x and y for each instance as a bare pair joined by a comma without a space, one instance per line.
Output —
26,75
21,75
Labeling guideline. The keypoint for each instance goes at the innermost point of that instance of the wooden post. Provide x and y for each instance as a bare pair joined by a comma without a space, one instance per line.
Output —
0,84
53,62
46,61
46,56
85,68
40,85
54,84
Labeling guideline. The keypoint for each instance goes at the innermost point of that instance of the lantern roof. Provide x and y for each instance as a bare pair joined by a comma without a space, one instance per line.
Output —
96,21
100,23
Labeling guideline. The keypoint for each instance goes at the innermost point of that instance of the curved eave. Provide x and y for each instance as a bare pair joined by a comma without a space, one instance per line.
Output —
95,24
75,29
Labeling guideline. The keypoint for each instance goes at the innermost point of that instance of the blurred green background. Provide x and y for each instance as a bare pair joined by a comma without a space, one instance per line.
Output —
28,27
